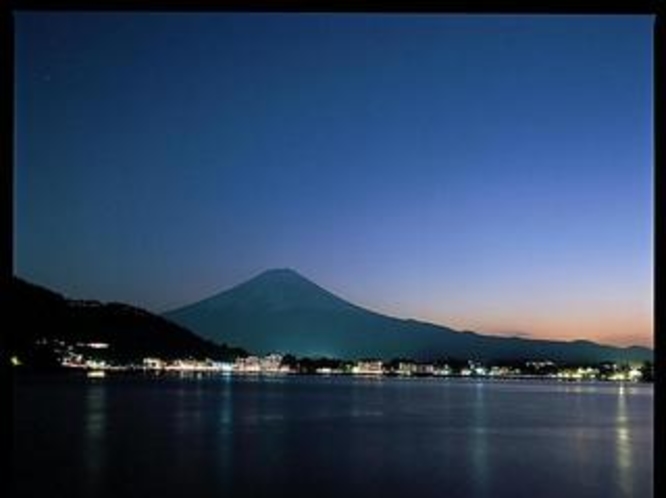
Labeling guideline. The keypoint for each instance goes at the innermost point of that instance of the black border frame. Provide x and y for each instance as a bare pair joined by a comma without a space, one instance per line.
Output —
657,8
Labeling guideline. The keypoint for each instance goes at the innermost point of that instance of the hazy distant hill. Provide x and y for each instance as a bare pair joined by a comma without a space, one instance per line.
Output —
37,313
281,311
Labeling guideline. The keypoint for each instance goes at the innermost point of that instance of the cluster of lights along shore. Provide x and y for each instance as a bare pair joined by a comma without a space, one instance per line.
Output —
88,357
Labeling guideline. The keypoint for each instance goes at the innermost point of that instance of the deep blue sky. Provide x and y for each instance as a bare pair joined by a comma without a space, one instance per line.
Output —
487,173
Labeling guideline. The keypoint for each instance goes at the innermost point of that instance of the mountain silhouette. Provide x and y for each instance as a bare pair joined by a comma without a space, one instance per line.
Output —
282,311
36,314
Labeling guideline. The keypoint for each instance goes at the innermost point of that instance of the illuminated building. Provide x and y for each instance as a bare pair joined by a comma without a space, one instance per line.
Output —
368,368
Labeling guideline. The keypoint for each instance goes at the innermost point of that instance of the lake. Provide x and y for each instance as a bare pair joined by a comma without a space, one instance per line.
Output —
233,436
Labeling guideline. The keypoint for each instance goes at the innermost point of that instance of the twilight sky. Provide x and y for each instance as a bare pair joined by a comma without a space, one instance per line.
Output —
485,173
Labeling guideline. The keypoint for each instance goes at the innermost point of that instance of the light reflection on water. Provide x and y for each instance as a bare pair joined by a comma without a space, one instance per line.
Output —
354,437
95,434
623,449
480,444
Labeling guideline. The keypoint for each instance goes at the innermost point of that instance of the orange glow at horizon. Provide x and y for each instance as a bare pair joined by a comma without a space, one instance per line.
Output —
607,318
616,328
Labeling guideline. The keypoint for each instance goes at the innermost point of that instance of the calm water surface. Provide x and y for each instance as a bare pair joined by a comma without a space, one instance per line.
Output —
324,436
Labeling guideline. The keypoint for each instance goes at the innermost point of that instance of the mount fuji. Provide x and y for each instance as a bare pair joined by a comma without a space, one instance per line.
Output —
282,311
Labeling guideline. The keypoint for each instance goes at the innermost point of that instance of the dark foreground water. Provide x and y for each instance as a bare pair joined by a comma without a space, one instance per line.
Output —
331,437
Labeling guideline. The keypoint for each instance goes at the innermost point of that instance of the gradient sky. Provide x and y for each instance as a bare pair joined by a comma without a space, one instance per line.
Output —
486,173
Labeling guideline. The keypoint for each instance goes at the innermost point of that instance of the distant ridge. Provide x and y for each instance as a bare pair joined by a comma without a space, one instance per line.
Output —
281,311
